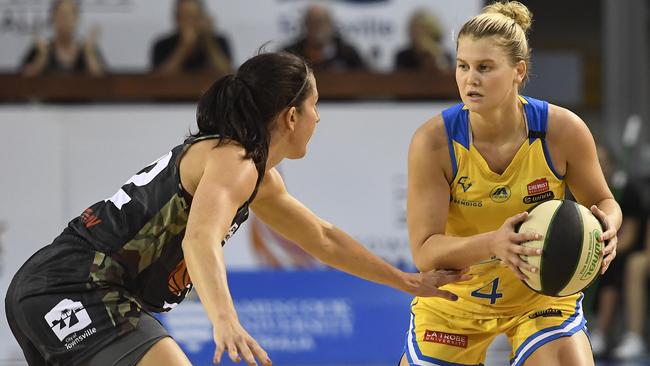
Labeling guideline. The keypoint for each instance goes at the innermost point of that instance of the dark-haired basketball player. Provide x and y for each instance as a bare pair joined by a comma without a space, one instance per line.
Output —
472,172
85,299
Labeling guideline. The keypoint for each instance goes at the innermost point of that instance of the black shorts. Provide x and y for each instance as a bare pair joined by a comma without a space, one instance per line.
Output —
60,318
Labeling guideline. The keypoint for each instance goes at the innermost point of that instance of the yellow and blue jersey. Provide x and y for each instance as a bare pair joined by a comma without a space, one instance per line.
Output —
494,301
481,200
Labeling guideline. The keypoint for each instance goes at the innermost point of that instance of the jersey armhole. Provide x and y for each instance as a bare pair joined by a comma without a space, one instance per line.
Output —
452,153
537,118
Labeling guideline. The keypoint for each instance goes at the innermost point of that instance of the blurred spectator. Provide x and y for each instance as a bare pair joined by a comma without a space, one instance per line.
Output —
322,46
193,46
630,242
425,51
63,53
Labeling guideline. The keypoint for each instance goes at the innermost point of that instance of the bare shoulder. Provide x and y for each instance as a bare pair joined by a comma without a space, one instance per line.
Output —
564,124
226,163
567,135
271,185
429,147
431,135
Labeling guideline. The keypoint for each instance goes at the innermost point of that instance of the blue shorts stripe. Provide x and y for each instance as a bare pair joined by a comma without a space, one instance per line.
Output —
415,356
568,328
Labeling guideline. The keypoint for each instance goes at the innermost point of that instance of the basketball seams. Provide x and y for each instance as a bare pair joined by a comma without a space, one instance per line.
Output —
546,236
582,244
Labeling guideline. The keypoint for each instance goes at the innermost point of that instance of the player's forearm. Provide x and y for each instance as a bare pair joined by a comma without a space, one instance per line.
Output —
207,270
451,252
342,252
613,210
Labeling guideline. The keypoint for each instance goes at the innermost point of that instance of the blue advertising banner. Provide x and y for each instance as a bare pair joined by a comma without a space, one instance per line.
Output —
304,318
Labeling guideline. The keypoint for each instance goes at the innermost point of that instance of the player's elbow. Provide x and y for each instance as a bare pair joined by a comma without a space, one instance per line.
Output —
423,258
422,264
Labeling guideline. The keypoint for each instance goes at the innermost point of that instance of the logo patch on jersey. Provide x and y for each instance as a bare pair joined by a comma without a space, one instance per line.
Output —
89,219
546,313
537,186
500,194
465,183
68,317
450,339
466,203
539,197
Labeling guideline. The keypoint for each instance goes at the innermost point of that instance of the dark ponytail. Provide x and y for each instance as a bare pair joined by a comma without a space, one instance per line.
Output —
241,107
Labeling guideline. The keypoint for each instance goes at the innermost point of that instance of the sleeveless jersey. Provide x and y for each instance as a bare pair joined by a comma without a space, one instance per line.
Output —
137,233
481,200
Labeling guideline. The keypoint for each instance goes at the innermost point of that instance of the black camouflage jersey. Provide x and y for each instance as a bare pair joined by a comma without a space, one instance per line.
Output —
137,233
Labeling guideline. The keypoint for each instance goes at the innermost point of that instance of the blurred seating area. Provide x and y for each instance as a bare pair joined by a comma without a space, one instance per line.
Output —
76,53
402,85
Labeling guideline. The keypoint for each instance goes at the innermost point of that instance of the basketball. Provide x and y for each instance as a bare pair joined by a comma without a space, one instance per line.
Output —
571,253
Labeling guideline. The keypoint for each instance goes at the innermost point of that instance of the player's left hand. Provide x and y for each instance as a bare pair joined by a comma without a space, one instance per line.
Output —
426,284
609,237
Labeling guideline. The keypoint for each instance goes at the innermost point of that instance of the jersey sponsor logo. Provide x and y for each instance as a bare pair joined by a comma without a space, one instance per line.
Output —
547,313
465,183
68,317
500,194
539,197
89,219
450,339
466,203
537,186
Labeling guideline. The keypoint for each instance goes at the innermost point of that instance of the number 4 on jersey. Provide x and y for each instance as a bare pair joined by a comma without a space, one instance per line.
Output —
493,296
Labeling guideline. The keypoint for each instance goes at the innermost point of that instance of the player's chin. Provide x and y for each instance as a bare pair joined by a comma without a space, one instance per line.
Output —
298,154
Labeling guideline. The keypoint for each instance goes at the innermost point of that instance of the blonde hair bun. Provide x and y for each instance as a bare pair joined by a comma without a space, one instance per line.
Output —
513,10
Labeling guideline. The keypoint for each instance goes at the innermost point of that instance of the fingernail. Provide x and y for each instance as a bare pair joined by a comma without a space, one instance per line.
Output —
533,270
538,251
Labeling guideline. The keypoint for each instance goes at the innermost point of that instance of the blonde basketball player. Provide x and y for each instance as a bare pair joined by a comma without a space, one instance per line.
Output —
473,172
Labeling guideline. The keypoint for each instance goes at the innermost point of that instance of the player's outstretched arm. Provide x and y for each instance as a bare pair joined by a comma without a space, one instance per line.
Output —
226,183
286,215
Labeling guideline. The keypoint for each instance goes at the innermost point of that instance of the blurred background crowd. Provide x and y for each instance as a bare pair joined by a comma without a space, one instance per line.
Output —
375,56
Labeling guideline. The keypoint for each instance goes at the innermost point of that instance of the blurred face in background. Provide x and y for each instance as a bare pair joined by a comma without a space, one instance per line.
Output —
424,28
65,16
319,29
188,14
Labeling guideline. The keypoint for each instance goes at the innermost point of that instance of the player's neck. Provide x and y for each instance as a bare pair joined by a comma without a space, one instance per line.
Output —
501,124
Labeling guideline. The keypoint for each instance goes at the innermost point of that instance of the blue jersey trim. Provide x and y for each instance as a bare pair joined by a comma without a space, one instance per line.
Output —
541,342
456,125
537,116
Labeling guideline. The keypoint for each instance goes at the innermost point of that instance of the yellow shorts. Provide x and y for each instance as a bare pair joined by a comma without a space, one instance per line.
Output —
439,339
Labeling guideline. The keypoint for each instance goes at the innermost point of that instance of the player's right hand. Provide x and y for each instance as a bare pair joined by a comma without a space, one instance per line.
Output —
231,337
505,245
426,284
